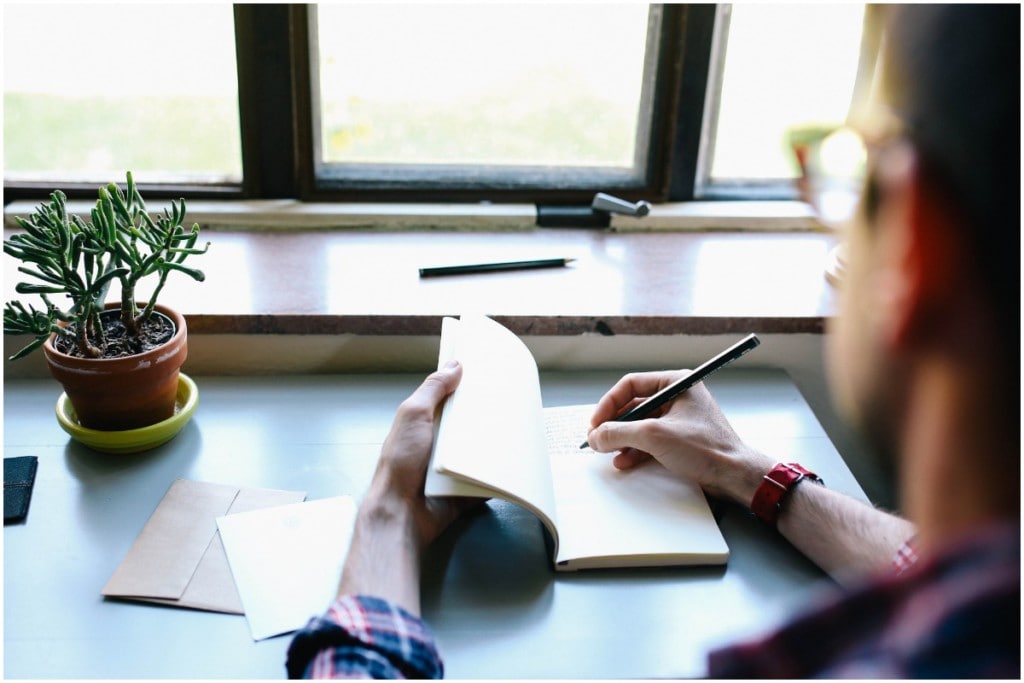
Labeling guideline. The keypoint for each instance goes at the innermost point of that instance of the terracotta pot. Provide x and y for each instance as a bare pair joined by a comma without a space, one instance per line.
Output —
123,393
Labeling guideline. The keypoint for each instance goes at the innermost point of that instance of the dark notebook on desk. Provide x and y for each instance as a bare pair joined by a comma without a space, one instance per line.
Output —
19,478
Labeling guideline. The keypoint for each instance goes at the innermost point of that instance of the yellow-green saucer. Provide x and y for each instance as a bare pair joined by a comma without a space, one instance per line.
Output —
132,440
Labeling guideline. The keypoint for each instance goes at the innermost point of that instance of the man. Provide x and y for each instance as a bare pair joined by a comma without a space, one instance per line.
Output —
924,359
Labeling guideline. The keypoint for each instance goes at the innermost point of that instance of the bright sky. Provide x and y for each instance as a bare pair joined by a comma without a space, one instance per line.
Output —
465,47
78,49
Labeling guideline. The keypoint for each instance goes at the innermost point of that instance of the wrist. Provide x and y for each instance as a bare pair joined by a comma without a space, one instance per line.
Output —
776,487
383,556
384,509
741,484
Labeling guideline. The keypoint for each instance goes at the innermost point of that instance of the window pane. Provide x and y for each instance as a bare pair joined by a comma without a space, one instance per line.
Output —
94,90
784,65
482,84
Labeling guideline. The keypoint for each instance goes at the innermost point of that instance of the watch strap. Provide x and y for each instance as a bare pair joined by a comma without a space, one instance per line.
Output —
774,489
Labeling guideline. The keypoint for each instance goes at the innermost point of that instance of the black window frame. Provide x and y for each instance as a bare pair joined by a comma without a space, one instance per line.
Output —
383,182
276,123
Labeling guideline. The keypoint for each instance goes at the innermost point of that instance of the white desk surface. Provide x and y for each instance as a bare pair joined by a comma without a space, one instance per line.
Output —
498,609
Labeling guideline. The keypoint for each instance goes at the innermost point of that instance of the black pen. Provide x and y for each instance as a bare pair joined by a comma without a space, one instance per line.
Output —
493,267
673,390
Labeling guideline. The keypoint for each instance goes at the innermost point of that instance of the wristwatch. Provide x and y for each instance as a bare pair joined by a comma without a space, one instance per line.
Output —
774,488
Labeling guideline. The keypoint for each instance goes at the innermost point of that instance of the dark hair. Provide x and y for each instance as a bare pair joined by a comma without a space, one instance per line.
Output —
952,73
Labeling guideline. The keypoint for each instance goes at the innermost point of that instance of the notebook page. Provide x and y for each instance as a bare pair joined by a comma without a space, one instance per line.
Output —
491,430
640,517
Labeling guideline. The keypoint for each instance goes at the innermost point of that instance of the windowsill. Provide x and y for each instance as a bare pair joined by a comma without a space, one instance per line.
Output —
366,282
317,299
290,214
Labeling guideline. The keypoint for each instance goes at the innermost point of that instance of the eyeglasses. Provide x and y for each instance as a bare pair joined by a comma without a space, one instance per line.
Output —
833,160
833,170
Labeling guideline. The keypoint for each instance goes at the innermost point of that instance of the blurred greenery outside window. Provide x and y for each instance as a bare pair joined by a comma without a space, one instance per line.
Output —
93,90
154,88
554,90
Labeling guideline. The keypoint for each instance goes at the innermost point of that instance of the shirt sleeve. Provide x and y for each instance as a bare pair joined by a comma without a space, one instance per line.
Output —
906,557
364,637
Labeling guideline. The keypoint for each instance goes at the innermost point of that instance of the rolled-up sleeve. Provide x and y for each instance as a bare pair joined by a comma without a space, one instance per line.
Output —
364,637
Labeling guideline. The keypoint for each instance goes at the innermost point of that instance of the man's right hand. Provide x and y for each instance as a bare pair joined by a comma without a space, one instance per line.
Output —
690,437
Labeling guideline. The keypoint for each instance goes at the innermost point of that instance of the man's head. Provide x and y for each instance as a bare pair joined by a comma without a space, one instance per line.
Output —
953,79
934,262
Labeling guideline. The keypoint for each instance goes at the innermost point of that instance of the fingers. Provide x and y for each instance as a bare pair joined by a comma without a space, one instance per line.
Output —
446,510
412,429
614,436
438,385
629,458
433,390
629,391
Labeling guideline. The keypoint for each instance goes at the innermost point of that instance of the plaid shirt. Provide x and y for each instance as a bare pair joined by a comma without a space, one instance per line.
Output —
955,615
364,637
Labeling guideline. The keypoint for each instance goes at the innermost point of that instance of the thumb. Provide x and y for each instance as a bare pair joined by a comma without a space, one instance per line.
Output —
614,436
439,384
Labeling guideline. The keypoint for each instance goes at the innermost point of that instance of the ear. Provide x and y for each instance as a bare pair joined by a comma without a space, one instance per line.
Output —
918,250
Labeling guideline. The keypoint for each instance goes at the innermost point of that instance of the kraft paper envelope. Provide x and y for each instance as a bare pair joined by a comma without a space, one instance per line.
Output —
178,558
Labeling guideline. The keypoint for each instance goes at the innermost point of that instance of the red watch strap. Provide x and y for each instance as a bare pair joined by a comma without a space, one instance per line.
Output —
774,488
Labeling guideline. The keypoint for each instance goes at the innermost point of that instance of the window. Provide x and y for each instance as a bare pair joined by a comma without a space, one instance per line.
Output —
516,96
529,102
778,66
93,90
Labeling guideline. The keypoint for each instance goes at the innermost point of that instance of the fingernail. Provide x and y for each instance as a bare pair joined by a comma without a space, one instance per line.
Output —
451,364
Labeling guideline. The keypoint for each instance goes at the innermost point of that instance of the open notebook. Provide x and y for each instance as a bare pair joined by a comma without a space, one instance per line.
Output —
495,439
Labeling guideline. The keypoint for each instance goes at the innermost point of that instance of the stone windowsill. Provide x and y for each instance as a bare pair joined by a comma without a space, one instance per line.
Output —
661,276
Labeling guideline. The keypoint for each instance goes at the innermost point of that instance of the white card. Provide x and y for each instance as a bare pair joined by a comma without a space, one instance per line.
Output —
287,560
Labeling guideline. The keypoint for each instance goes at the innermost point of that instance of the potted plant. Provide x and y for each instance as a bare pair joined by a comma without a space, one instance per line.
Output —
119,362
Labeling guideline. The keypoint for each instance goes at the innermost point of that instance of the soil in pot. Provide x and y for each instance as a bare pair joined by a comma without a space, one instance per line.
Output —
155,332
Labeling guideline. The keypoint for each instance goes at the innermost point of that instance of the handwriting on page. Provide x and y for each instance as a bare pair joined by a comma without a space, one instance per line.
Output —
564,426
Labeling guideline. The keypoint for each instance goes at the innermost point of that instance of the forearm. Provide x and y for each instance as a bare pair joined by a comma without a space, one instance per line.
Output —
842,535
373,629
384,556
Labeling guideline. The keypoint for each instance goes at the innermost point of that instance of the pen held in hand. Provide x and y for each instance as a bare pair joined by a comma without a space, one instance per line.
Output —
495,267
672,391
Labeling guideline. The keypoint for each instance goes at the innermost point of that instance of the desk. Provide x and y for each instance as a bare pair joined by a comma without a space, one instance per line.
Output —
498,609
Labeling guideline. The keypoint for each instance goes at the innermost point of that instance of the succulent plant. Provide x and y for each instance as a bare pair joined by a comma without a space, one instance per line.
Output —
65,255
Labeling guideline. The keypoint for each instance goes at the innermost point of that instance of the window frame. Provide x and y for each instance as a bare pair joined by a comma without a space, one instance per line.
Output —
415,183
276,124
